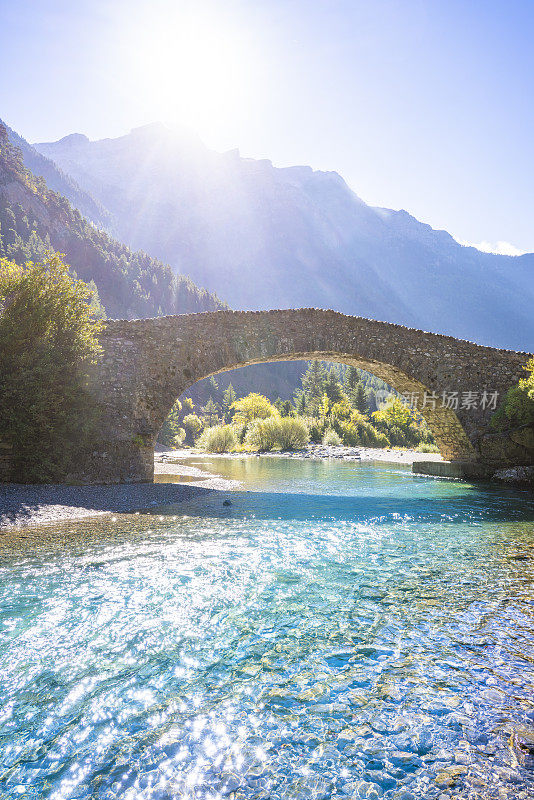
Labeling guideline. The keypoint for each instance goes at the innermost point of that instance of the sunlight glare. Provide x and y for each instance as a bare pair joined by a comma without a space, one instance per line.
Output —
187,68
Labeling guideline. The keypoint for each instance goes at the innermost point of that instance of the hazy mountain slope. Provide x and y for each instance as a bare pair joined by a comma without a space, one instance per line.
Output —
33,218
265,237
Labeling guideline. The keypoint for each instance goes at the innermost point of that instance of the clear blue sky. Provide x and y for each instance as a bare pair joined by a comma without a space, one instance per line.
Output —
426,105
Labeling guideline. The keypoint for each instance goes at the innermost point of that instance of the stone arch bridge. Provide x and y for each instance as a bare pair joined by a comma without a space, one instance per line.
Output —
148,363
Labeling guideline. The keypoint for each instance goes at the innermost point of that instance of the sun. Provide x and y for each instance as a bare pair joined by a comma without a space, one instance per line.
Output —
187,68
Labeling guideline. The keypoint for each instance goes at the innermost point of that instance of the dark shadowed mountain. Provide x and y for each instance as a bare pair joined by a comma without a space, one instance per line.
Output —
267,237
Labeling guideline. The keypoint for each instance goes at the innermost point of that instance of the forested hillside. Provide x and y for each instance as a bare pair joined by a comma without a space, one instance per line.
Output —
34,219
58,181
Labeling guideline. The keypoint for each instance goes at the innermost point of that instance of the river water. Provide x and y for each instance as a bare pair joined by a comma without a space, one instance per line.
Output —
339,630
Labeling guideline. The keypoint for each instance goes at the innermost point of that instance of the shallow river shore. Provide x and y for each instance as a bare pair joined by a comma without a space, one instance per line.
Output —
175,481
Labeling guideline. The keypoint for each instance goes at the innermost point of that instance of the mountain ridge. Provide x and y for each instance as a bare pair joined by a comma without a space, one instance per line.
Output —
264,236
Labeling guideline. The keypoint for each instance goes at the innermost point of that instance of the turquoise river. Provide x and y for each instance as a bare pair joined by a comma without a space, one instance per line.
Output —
337,631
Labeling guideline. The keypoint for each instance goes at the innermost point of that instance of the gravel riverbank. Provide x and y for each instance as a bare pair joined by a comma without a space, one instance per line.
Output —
22,505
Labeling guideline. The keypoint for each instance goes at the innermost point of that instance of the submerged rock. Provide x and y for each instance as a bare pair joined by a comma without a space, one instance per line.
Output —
520,475
448,777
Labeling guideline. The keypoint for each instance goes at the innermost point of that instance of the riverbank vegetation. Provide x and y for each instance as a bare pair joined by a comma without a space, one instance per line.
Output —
514,419
333,405
48,342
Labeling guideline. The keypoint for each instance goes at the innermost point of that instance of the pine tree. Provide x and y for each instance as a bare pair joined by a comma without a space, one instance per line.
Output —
360,398
229,397
314,382
300,402
352,377
211,412
333,387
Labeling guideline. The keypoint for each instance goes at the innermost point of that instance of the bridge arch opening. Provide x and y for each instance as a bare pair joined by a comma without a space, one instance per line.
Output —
328,400
441,421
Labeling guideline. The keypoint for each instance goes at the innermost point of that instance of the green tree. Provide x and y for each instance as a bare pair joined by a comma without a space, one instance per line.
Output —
48,342
352,378
324,407
314,383
211,411
517,408
360,398
283,407
188,406
394,413
192,425
214,386
333,388
300,402
171,427
515,415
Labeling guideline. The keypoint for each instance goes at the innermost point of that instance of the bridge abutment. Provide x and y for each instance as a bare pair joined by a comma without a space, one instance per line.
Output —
109,462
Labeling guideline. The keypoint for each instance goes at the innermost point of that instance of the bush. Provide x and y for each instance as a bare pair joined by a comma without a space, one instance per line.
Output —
217,439
292,433
397,436
331,438
425,447
315,430
179,438
240,431
382,440
263,434
285,433
517,408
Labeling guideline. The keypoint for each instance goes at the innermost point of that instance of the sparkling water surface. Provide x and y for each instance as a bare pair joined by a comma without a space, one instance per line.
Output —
339,630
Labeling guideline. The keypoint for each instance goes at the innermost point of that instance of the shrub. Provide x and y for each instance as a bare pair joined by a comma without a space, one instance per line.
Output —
286,433
396,436
179,438
382,440
217,439
425,447
349,434
292,433
315,429
240,431
262,434
517,408
331,438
